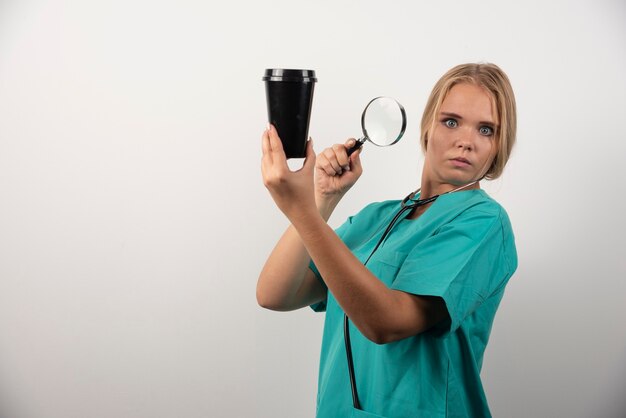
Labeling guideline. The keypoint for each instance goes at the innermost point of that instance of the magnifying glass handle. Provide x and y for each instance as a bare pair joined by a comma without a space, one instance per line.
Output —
359,144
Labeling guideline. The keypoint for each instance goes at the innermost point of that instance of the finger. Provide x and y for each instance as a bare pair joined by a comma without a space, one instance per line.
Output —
265,144
342,157
355,161
275,144
266,160
323,165
329,165
342,153
331,156
277,152
350,142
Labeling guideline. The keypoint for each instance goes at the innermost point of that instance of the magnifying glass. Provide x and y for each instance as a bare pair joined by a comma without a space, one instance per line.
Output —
383,122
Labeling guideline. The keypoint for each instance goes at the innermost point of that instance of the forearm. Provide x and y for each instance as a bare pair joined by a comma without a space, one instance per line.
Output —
283,273
369,303
281,282
382,314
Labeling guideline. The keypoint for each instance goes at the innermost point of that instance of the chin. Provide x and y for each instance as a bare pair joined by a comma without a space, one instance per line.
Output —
457,178
461,178
460,182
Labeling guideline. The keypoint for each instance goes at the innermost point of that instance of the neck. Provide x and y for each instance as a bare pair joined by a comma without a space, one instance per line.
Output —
418,211
430,189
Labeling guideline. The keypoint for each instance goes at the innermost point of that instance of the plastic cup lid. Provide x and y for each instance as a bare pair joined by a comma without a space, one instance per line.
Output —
281,74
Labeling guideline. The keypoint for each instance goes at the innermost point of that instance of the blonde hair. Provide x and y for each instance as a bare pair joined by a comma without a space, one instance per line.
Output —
491,78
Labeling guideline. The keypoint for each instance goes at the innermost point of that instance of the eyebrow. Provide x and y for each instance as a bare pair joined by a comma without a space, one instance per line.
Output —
454,115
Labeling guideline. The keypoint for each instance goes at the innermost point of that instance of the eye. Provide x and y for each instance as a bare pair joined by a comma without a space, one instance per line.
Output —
486,130
450,123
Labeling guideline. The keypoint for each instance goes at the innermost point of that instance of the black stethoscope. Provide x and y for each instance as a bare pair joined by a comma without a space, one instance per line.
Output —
405,206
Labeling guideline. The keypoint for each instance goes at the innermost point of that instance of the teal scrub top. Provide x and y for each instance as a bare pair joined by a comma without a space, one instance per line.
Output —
461,249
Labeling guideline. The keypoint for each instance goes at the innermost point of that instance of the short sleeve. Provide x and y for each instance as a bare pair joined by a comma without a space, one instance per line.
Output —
463,262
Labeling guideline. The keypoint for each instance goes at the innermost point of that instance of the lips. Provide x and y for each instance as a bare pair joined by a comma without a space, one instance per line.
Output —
460,161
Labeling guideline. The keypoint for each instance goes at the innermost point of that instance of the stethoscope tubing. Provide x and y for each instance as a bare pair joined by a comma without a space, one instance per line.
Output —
404,206
346,322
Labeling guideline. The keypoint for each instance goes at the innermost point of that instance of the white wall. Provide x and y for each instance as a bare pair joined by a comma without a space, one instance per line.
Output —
133,220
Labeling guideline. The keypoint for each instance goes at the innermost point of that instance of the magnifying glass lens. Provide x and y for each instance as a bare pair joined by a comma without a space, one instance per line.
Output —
383,121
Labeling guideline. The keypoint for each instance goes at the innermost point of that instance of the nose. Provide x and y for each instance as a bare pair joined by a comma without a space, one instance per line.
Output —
464,141
464,145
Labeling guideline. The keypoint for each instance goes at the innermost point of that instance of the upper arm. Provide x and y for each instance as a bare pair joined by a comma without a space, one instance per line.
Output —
412,315
310,292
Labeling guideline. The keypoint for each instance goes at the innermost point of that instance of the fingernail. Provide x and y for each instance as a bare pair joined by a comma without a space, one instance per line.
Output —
347,168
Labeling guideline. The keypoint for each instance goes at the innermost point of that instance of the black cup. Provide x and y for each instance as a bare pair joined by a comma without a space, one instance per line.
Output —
289,96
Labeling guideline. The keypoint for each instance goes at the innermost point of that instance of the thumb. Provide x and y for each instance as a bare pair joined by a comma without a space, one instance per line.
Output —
355,160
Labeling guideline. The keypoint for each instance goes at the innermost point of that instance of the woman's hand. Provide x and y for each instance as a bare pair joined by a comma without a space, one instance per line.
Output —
293,191
297,193
336,172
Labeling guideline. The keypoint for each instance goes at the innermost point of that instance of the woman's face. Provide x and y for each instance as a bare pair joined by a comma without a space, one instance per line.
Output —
462,144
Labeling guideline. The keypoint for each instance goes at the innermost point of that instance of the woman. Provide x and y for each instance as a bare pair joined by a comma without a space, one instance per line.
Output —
420,295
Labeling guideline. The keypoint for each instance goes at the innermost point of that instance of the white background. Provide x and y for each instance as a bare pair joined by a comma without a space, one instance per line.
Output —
133,220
